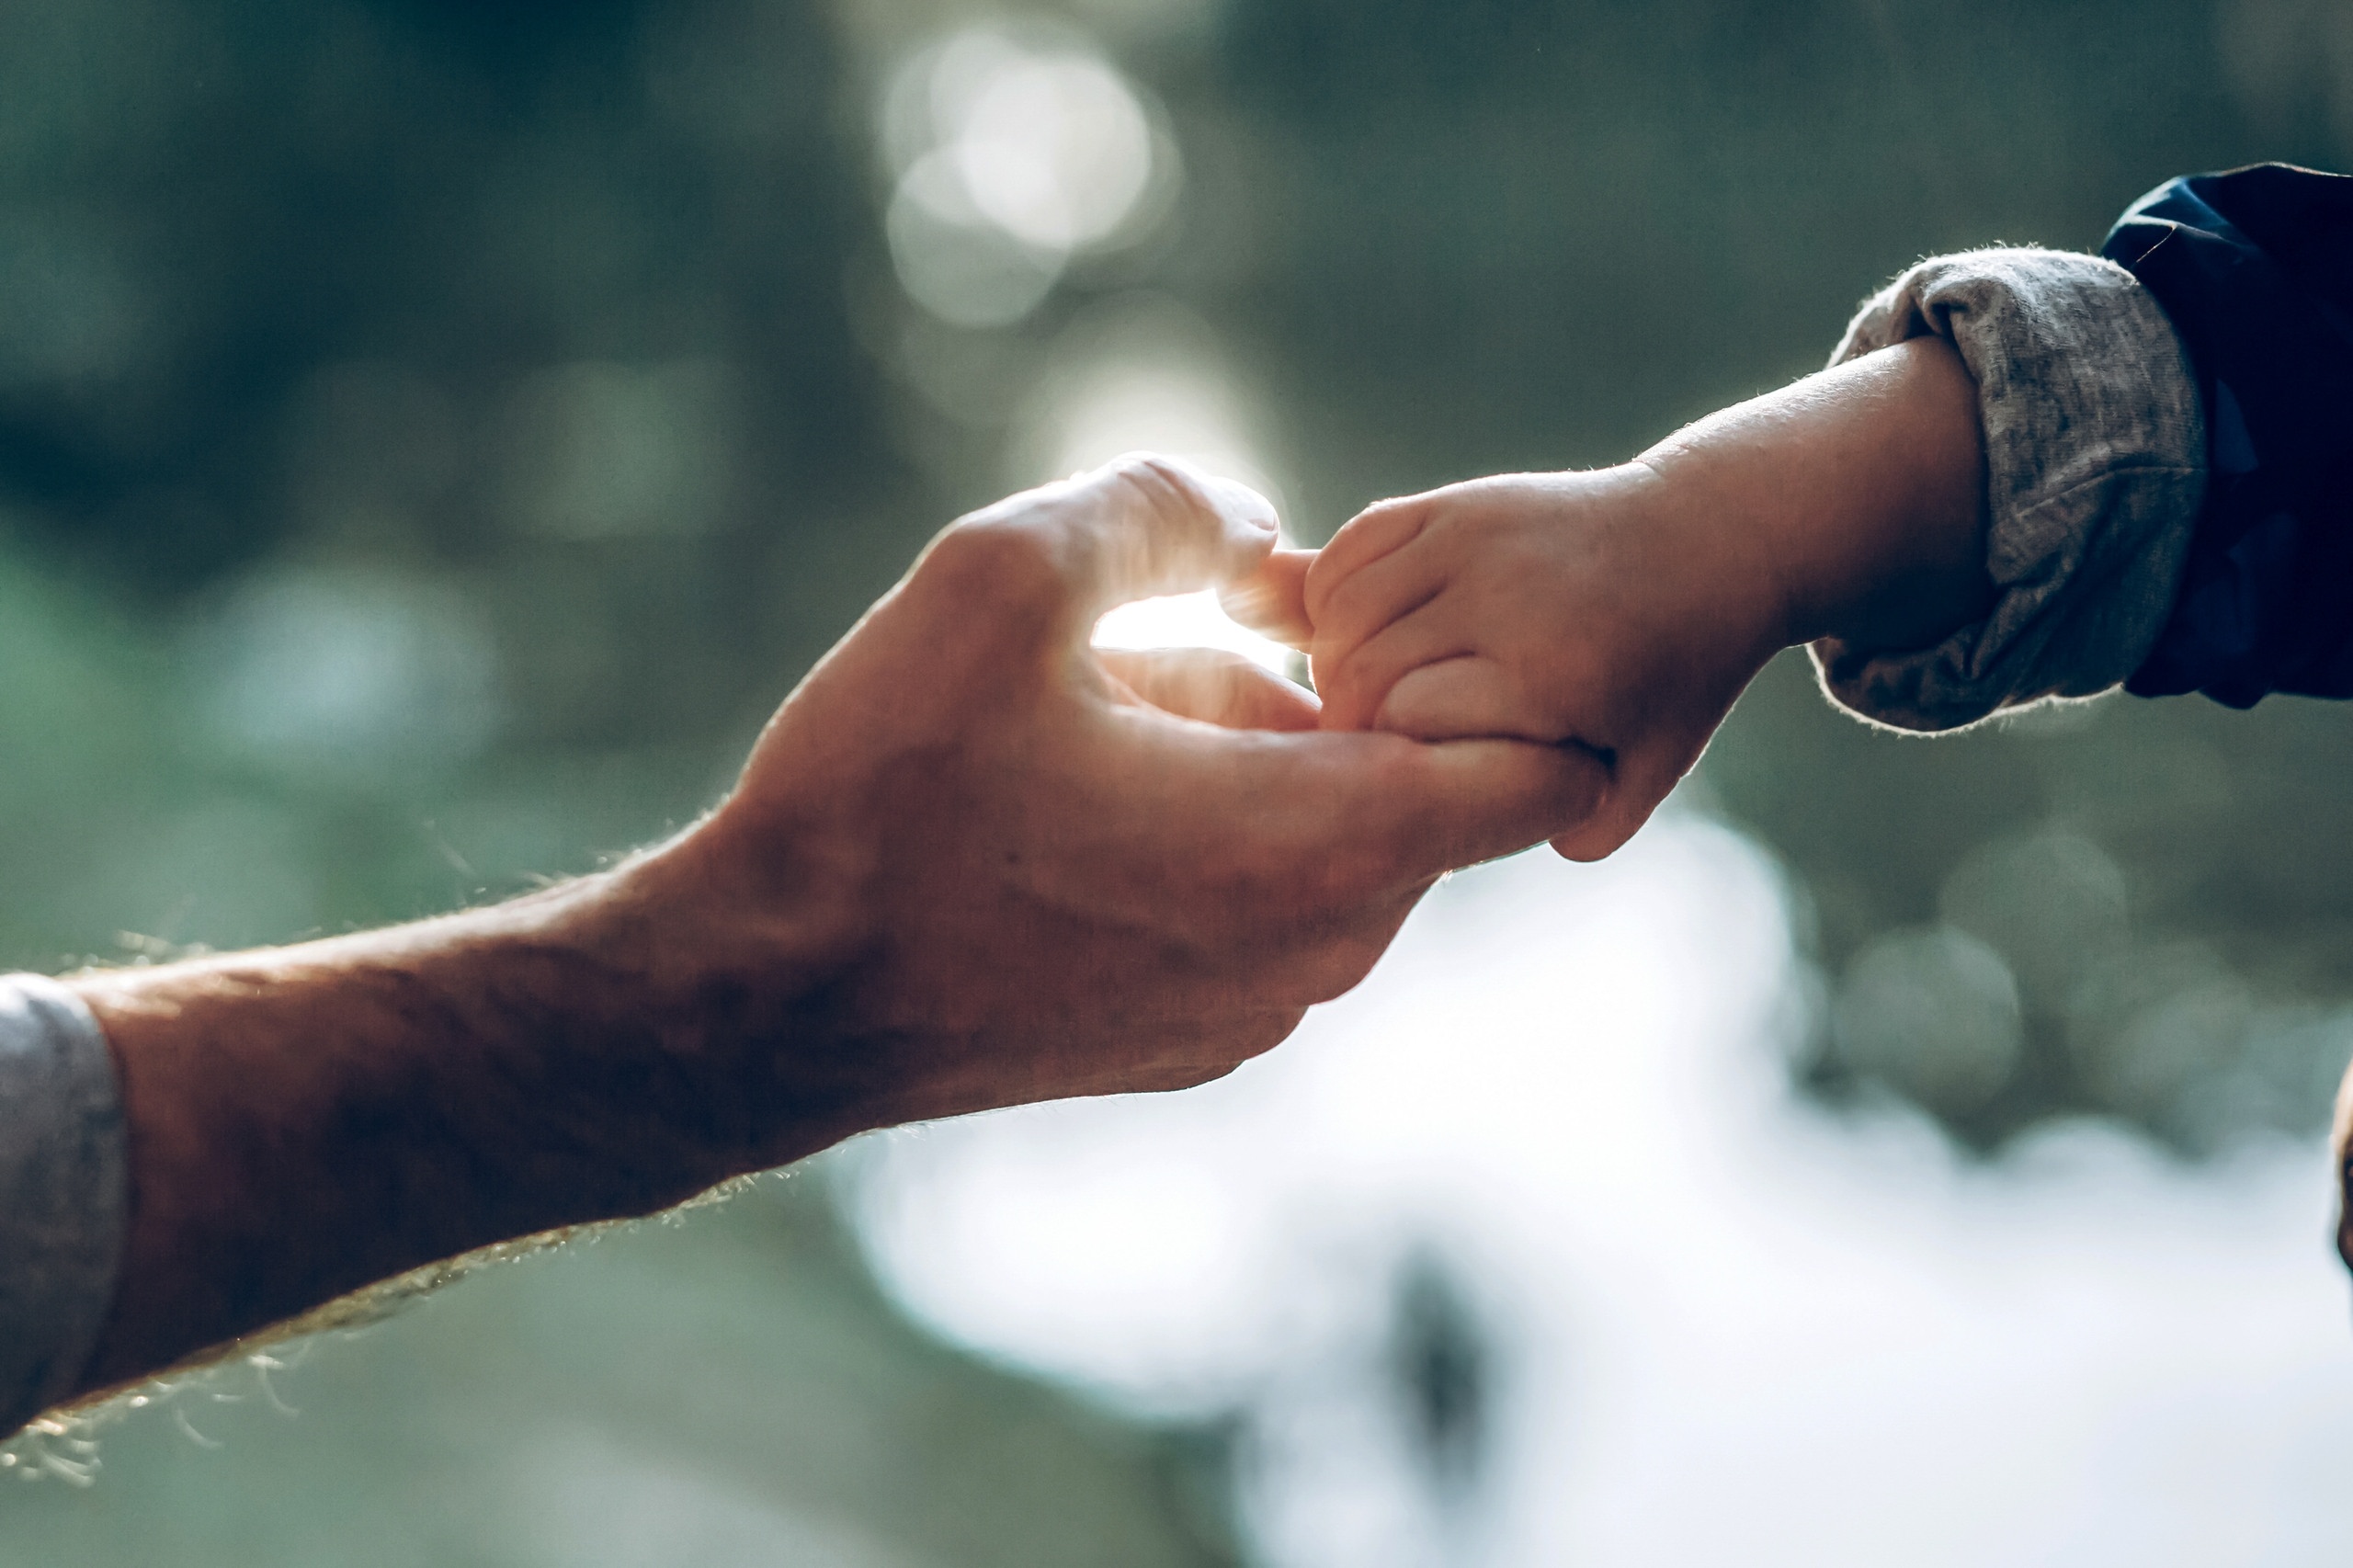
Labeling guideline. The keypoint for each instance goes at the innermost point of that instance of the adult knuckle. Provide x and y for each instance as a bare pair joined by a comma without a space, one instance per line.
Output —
1001,558
1157,482
1146,487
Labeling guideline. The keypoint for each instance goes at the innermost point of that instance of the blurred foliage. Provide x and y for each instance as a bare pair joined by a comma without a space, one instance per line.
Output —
433,434
411,414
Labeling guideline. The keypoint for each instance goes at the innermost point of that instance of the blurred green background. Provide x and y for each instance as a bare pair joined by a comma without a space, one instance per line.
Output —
433,436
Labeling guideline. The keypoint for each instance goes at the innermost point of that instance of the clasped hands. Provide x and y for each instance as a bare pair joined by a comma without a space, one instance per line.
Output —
971,861
1018,868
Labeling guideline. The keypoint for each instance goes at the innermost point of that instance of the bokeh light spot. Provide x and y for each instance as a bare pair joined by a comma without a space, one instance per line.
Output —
1010,157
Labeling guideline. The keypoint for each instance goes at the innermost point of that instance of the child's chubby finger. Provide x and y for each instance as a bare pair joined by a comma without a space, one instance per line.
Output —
1352,610
1379,530
1405,587
1640,777
1272,600
1354,685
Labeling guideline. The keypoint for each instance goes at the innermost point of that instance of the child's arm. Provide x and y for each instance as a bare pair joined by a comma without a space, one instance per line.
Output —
1624,609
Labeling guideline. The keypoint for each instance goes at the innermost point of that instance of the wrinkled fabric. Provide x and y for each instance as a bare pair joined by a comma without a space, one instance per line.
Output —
2095,468
2254,268
62,1193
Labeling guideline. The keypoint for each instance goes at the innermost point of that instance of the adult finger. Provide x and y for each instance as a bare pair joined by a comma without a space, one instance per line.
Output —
1473,801
1272,600
1394,812
1212,685
1138,527
1468,696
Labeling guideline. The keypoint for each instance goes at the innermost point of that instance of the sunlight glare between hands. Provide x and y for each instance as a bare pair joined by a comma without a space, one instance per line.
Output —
1187,620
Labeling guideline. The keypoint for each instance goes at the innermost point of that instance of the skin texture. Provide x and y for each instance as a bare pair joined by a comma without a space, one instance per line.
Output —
970,863
1622,611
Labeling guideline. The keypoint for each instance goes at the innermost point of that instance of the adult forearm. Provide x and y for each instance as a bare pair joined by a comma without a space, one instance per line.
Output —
305,1121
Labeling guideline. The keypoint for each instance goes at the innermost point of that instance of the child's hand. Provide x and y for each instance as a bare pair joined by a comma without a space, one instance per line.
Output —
1569,608
1622,610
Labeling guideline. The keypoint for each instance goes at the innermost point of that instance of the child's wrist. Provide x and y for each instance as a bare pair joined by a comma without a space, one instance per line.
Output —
1855,494
1729,567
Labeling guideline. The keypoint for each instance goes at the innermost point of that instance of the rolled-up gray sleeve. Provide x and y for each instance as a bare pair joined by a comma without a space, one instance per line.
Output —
62,1192
2095,468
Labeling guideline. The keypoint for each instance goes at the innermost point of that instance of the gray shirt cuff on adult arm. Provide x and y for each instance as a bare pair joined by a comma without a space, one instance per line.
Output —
2095,468
62,1193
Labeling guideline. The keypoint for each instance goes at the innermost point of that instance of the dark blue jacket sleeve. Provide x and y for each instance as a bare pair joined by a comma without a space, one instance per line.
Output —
2254,268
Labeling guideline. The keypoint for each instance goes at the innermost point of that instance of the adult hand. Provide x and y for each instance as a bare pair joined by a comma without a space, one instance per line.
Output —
1056,871
970,863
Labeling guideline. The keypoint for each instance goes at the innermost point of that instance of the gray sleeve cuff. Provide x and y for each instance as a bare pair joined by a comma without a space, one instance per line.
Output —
62,1193
2095,468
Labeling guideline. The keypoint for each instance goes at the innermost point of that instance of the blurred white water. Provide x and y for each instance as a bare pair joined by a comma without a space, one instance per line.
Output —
1725,1328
